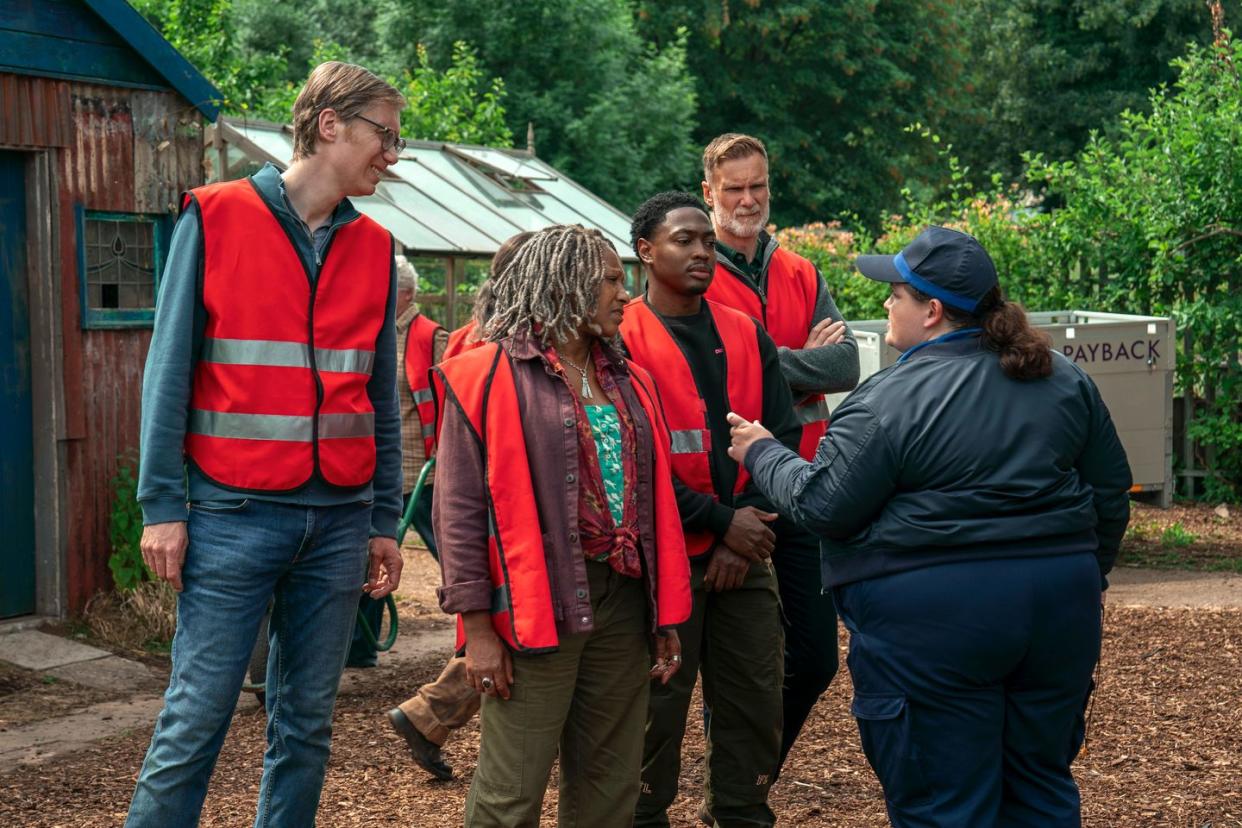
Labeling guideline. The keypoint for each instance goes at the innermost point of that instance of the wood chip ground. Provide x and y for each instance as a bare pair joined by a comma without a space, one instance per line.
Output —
1165,749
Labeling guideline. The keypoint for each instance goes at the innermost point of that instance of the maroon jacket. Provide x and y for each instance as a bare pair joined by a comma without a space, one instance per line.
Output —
459,512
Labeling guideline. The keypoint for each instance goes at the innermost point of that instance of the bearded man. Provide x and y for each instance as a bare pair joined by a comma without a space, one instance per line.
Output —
818,355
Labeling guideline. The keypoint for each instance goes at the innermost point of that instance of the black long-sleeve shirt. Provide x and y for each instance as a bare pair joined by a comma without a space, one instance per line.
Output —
700,342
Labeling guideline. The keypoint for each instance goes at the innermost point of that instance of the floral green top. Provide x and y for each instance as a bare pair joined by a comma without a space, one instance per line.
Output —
607,507
606,429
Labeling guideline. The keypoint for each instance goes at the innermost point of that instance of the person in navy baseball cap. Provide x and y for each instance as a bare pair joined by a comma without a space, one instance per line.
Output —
969,502
944,264
940,264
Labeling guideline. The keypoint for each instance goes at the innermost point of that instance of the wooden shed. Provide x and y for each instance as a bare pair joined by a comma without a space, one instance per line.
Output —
101,128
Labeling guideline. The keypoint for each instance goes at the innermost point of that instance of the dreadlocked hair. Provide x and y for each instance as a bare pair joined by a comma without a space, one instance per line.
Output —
550,286
484,299
1025,351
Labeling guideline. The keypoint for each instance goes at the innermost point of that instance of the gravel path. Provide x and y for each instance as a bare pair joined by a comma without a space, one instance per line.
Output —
1132,587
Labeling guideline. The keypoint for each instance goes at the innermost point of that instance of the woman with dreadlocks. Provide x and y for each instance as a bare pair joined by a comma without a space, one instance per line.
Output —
467,336
560,540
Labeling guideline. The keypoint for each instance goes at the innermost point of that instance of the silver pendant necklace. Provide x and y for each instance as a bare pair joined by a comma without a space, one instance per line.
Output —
585,393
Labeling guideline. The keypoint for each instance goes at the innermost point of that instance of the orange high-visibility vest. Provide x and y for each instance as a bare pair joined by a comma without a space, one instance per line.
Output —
462,340
419,347
785,312
279,393
652,346
480,382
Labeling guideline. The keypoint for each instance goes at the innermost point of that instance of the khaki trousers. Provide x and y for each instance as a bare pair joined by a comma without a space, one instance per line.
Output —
443,705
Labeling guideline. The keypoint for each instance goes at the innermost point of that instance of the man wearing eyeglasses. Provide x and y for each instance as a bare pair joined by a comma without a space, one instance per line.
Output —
269,405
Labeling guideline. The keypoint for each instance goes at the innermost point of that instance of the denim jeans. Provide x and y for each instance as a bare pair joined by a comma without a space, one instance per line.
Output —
312,559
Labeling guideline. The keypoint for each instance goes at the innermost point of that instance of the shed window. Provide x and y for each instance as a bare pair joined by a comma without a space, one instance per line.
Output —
120,256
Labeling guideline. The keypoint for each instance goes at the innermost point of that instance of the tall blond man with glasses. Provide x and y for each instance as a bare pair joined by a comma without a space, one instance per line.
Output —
271,446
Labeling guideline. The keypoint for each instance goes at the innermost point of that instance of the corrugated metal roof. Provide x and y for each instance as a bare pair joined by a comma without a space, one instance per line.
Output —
457,199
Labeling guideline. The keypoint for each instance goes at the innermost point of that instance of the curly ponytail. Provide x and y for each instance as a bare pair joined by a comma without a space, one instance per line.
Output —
1025,351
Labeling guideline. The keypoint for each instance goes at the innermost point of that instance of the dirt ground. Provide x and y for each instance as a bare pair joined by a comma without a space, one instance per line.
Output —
1196,536
1164,749
28,696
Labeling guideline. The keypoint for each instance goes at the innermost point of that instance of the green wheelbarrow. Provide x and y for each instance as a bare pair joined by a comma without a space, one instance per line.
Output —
258,657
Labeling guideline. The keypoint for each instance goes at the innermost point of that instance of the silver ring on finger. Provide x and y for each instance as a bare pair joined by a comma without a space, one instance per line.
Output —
487,683
675,658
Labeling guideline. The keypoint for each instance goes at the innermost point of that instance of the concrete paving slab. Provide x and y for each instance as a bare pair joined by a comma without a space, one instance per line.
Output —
36,650
112,673
41,741
24,622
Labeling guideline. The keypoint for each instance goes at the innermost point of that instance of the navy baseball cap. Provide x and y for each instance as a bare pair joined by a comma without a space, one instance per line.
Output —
946,264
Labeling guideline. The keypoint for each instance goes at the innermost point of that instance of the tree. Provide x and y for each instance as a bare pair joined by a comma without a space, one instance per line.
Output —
828,85
261,72
1047,72
205,33
449,106
611,112
1157,212
267,27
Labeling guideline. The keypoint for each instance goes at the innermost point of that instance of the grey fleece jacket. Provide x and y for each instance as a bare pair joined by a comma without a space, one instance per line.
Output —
825,370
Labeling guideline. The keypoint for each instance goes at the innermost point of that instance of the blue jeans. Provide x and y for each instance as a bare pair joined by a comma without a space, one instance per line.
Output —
241,553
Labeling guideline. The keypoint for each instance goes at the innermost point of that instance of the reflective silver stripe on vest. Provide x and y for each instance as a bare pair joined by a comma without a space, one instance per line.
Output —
500,599
812,412
346,425
278,354
422,395
429,431
256,352
344,361
688,442
287,427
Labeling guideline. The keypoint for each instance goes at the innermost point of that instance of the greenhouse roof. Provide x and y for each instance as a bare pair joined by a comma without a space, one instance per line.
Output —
453,199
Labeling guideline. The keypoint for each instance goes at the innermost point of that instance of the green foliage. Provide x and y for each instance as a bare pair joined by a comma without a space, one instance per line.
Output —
1147,222
125,528
204,32
608,110
449,106
1176,536
1151,224
832,249
259,53
828,86
1044,73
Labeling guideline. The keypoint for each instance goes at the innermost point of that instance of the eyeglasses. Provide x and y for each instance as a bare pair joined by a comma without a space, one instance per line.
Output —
390,139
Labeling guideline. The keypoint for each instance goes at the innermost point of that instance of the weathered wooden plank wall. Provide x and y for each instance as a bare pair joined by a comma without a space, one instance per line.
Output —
129,151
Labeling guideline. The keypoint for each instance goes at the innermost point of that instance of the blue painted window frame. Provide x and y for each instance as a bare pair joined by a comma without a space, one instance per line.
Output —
114,318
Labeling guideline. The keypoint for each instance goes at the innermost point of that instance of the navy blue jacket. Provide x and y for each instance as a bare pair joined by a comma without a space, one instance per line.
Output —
942,458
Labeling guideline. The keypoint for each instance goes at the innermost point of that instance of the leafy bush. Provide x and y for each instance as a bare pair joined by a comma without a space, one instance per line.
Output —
832,249
125,528
1147,223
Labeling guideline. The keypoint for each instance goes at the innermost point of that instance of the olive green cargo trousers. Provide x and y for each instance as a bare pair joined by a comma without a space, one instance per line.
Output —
589,700
735,639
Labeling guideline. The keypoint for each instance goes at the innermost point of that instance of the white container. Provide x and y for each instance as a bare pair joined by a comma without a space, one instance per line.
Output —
1130,358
